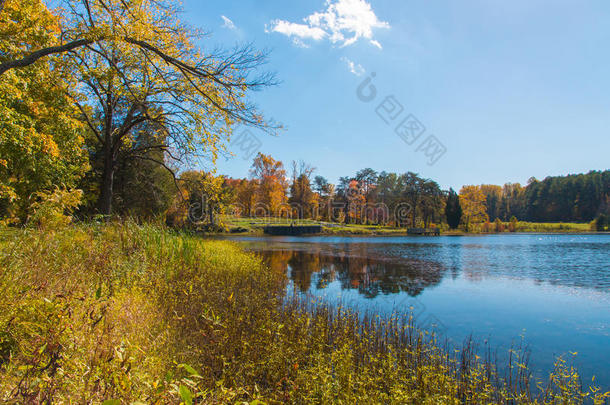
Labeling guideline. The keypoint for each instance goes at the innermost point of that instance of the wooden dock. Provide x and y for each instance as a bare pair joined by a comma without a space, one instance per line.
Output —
424,231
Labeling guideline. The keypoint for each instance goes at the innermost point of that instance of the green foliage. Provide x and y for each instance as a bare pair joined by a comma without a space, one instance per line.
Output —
125,313
453,209
573,198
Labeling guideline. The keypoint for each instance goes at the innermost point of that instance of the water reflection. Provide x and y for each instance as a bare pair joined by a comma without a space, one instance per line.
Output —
356,268
552,289
375,263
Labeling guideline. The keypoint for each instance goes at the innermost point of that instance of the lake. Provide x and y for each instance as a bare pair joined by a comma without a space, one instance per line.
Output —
550,291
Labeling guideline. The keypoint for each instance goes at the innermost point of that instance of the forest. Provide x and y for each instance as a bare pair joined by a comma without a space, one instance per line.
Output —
387,199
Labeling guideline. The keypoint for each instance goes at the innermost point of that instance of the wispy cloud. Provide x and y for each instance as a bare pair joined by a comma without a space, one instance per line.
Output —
300,31
353,67
228,23
343,22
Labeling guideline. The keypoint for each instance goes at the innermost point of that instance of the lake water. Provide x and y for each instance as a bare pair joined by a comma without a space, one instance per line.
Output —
551,291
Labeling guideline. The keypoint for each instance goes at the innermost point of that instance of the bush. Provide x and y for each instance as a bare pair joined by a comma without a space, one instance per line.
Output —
53,209
512,224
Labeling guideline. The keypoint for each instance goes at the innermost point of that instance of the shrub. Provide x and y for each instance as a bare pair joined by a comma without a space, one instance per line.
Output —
53,209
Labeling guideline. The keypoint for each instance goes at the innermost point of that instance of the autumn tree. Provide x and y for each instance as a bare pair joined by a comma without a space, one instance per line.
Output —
142,70
302,199
244,196
41,137
271,178
472,201
205,195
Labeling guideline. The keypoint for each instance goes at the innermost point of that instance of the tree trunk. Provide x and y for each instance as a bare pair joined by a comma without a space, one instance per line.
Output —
414,217
105,200
211,214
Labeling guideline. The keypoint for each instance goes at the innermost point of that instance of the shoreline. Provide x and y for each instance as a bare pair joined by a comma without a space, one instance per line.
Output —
400,234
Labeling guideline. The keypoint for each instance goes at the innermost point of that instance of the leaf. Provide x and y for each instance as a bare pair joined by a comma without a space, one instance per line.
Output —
189,369
98,293
186,395
111,402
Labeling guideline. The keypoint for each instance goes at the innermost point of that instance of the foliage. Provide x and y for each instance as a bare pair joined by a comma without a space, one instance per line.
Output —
302,197
493,199
573,198
123,314
145,86
601,223
52,209
270,176
472,201
41,137
453,209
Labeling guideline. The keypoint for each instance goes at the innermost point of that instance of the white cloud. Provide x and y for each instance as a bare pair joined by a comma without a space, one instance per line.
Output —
353,67
376,43
228,23
343,22
300,31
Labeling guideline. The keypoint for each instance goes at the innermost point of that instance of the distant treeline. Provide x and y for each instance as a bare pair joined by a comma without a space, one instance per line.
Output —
386,198
572,198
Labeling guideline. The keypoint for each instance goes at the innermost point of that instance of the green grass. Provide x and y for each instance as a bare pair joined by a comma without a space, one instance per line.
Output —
256,225
129,313
552,227
525,227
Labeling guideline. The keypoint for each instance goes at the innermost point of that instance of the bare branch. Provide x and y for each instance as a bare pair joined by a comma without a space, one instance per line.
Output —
34,56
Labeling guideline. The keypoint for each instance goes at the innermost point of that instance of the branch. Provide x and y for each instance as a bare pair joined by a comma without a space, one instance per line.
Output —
34,56
162,164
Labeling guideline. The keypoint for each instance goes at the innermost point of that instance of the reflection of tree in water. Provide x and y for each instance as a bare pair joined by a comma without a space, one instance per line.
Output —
354,269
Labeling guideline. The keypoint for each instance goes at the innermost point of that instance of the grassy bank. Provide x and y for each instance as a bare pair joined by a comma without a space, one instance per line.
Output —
255,226
126,313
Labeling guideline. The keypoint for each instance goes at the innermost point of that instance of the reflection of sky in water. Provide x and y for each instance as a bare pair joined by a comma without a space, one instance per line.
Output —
552,289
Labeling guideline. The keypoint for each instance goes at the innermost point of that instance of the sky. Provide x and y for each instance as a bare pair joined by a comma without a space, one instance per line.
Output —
463,92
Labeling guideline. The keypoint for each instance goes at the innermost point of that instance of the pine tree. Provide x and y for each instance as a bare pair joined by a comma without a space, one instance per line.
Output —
453,209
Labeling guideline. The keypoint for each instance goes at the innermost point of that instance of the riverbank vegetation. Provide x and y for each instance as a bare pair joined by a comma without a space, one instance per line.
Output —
125,313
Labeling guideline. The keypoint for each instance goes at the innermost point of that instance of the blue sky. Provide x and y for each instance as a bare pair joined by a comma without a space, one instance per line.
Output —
509,89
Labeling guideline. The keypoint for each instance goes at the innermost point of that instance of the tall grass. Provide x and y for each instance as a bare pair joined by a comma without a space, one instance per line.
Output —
126,313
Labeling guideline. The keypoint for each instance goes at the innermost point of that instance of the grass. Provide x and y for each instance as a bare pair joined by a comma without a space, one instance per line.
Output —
256,225
525,227
122,313
552,227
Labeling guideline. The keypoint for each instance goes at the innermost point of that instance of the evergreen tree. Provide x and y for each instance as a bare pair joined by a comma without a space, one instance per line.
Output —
453,209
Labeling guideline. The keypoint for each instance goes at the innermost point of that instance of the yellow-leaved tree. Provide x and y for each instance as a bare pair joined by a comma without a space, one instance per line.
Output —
148,87
145,85
472,201
41,135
